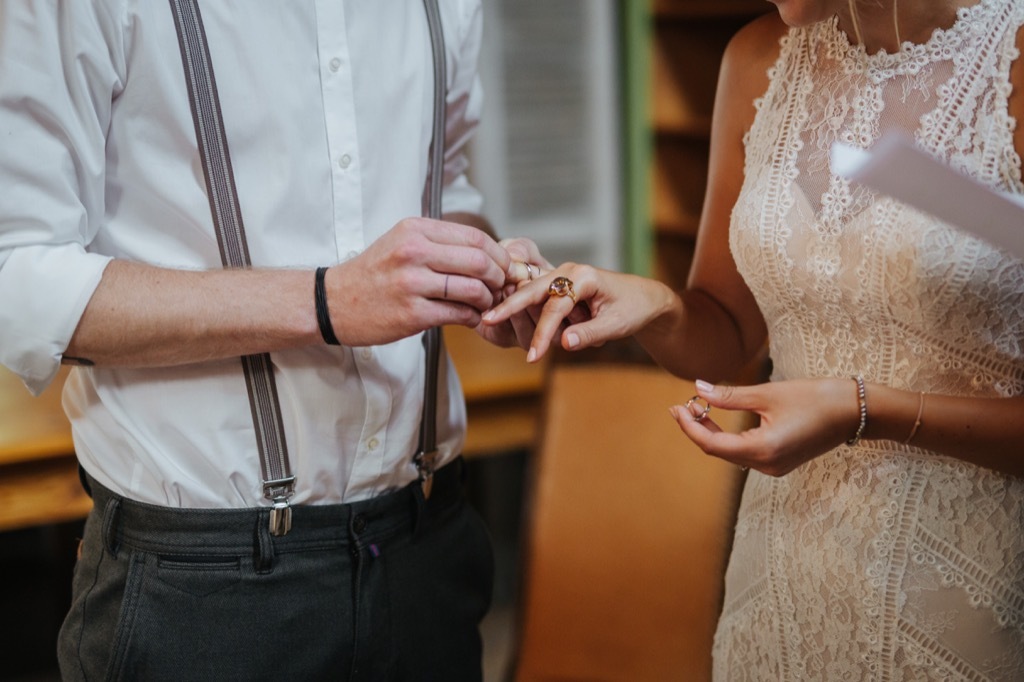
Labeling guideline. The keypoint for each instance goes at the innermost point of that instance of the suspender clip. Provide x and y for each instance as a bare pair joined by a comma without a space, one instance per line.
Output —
280,491
280,517
426,463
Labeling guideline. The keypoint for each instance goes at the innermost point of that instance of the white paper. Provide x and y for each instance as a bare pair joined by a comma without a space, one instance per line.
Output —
897,168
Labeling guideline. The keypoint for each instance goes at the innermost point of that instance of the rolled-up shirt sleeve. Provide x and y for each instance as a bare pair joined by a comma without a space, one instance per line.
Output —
58,79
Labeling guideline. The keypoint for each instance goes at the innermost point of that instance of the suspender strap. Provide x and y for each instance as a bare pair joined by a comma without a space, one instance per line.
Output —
426,455
278,481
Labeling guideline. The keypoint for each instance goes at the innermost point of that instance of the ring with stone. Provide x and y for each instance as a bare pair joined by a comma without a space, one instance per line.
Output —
562,286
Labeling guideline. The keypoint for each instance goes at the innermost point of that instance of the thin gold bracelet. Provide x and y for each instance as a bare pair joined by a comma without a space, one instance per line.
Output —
917,422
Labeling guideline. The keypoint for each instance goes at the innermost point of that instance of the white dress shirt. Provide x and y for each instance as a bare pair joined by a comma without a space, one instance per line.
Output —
327,106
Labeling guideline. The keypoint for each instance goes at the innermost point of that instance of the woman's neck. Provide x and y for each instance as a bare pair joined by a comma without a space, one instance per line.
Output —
878,27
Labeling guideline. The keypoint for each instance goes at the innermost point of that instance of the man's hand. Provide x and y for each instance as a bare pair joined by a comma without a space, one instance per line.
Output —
423,273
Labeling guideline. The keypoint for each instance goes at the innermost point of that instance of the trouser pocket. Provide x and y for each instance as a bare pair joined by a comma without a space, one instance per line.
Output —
155,617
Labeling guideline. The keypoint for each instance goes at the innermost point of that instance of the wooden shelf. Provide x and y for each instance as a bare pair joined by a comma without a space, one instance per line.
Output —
705,9
678,184
684,71
689,38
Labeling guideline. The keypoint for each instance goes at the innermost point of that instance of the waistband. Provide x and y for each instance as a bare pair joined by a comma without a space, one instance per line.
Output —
168,530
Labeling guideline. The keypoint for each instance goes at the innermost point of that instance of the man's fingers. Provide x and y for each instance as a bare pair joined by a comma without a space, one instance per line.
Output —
463,250
466,262
459,289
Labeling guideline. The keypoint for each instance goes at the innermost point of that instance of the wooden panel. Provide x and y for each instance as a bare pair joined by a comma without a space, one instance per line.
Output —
32,428
628,532
501,425
502,393
680,178
673,258
686,61
487,371
42,492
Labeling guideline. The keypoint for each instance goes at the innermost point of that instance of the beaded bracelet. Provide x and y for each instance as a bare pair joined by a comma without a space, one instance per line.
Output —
862,406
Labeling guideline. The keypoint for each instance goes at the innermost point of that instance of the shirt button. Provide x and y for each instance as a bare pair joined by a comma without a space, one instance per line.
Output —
335,64
373,444
345,161
366,354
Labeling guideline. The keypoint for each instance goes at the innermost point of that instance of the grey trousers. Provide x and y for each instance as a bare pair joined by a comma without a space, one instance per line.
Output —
392,588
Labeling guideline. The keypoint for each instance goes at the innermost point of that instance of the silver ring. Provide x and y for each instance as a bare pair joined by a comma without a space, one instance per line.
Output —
702,415
529,271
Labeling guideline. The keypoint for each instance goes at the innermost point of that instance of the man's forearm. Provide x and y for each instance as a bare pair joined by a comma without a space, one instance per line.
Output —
142,315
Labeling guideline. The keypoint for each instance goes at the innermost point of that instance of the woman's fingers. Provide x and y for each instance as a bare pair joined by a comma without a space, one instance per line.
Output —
549,325
544,309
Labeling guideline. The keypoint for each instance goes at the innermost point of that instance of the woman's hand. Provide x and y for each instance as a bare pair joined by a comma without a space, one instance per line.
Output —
799,420
602,306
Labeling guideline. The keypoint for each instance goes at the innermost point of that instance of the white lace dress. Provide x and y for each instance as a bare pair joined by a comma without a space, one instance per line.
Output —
881,561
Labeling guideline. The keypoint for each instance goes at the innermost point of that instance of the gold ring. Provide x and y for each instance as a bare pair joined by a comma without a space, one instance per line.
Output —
702,415
562,286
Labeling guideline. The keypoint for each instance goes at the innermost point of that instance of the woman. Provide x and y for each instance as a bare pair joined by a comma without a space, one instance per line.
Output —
881,531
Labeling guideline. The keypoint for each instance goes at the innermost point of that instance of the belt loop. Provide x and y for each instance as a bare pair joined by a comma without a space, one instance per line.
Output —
263,544
111,517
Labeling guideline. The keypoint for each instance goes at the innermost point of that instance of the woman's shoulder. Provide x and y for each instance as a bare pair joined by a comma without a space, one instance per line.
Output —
759,41
751,52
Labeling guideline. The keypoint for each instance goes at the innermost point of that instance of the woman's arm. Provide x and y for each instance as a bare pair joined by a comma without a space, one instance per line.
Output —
714,327
717,320
800,419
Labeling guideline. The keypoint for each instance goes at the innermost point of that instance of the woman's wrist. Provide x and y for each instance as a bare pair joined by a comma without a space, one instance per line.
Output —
665,312
892,413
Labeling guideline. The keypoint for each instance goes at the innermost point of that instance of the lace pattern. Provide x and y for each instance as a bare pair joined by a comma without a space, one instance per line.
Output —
881,561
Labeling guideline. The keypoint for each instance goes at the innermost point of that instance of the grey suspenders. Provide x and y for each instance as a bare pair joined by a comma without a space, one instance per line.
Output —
426,455
278,481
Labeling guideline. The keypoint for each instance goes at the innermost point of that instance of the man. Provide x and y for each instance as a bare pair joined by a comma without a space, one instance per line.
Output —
109,260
